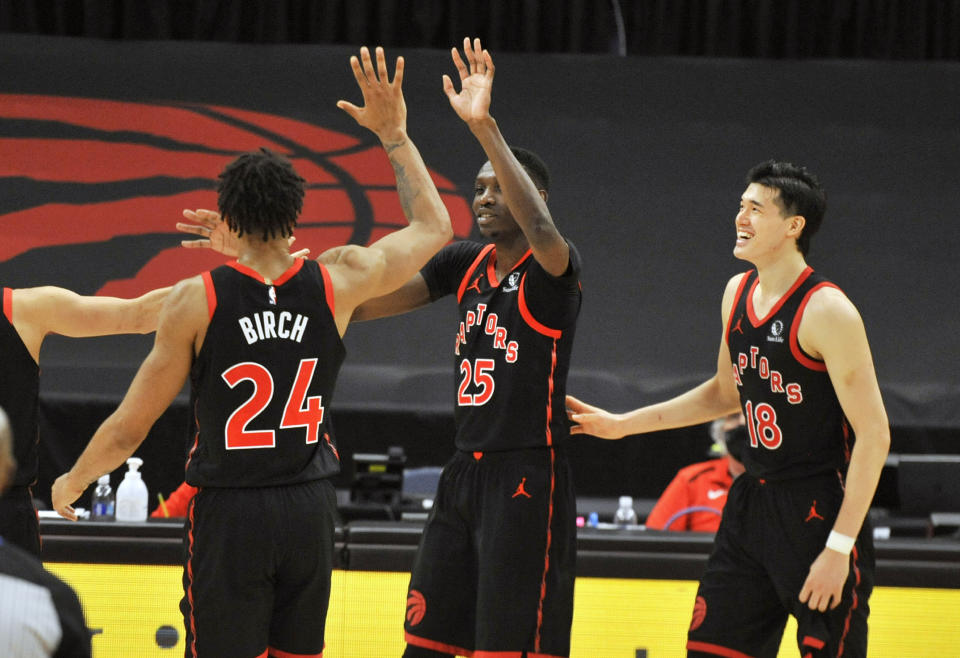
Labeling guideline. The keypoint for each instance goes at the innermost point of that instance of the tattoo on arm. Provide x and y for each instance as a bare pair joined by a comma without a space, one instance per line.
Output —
393,146
407,192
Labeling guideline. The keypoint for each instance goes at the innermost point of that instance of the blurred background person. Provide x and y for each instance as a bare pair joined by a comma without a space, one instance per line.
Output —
695,497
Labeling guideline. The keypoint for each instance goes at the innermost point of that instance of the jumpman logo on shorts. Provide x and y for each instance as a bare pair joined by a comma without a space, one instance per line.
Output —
476,284
521,491
813,513
737,326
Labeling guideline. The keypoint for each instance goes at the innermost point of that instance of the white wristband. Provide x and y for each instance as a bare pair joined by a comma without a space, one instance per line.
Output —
840,543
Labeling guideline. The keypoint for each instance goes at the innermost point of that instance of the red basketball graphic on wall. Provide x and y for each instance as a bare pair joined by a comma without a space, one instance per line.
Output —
106,182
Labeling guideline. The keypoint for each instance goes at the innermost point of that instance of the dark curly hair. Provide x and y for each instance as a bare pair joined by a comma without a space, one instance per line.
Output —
800,194
260,193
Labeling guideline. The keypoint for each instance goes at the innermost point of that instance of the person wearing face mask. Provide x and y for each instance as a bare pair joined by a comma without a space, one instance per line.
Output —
695,497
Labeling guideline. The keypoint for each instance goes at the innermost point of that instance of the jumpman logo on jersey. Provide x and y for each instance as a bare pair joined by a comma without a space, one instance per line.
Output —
737,326
476,284
813,513
521,491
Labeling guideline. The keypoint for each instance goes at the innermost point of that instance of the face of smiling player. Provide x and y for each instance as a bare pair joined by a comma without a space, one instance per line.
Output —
764,233
494,218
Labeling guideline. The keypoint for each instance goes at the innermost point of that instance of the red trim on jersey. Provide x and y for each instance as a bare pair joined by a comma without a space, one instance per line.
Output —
470,270
492,268
715,649
252,273
553,370
189,592
328,288
776,307
249,271
211,294
282,279
277,653
528,316
546,552
196,438
736,301
8,304
436,646
802,357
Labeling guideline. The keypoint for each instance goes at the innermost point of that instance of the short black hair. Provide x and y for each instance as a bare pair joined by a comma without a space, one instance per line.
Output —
260,192
800,194
535,167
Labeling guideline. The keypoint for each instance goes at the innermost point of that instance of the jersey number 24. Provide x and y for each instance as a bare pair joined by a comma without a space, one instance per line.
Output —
299,411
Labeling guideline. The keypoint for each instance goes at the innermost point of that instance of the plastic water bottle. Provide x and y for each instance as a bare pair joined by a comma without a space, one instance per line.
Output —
132,494
102,504
625,514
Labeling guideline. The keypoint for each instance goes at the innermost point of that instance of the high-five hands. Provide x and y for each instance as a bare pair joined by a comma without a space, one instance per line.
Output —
472,103
384,111
215,235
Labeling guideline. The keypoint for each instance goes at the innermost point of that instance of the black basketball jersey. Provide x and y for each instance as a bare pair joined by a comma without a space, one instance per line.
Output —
795,424
264,377
512,346
19,395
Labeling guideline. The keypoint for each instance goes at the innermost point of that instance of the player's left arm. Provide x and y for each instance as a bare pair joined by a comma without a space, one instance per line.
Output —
833,331
157,382
527,204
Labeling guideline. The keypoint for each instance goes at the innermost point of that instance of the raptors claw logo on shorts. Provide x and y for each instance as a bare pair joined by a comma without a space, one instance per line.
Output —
416,607
103,182
699,613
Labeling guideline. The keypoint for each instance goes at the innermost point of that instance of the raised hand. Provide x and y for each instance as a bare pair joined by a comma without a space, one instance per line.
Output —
212,230
384,111
472,103
215,235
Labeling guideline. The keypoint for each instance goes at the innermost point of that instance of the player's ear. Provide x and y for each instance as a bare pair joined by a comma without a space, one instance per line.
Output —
795,225
543,195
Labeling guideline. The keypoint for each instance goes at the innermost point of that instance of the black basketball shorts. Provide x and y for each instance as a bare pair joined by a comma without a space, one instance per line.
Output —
770,534
496,565
257,570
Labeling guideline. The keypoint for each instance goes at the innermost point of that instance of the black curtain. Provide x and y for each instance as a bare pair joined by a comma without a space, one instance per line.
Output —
793,29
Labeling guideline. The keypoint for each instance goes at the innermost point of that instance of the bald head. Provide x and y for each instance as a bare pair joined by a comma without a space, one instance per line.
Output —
7,463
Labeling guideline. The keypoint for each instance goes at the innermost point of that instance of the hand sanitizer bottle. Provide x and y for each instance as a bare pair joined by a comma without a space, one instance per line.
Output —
132,494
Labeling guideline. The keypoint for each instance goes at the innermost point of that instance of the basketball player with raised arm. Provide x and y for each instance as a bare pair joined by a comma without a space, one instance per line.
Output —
495,570
261,340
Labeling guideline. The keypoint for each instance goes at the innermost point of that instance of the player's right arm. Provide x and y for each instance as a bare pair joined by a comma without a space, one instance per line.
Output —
527,204
160,378
715,397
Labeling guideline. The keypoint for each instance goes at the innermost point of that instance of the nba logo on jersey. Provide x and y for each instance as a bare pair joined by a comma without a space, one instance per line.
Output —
512,281
272,294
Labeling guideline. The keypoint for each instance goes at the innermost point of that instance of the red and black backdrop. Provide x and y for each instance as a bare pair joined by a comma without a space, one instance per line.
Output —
103,143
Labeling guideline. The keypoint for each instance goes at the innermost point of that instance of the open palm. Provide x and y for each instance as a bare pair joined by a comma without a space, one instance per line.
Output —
476,82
